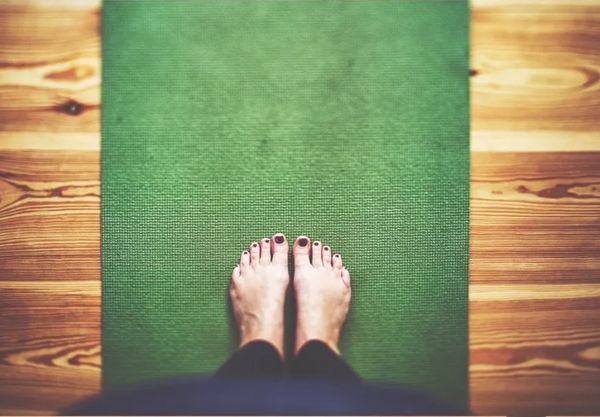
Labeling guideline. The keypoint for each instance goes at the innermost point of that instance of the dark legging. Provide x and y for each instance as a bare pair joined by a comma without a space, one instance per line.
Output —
314,361
252,382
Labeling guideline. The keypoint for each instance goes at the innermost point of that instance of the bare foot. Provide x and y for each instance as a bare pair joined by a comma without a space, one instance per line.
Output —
322,287
258,286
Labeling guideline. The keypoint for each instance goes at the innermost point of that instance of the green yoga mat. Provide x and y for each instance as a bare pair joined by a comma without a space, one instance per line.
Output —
227,121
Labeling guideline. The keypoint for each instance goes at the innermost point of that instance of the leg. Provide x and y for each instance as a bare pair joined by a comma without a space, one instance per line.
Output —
258,359
316,360
323,293
258,287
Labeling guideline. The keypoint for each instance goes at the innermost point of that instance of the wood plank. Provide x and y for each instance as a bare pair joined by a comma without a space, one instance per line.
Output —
528,6
37,33
535,75
535,349
49,215
534,218
49,68
49,204
65,5
534,141
50,141
502,292
535,283
49,344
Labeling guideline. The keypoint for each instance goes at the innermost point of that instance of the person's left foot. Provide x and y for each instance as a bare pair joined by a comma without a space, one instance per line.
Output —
258,287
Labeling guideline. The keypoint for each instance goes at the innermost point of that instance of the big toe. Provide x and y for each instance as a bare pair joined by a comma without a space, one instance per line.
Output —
279,247
302,251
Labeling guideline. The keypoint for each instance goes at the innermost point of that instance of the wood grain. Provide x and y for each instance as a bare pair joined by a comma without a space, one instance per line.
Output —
535,349
49,67
534,218
535,208
49,344
51,141
49,215
535,283
535,75
535,211
49,205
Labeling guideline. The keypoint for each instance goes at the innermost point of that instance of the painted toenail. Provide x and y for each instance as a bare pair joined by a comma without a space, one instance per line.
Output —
266,240
325,248
245,252
316,243
279,239
303,242
254,245
336,256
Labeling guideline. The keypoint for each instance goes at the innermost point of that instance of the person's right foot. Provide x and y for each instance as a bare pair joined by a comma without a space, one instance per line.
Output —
258,286
322,286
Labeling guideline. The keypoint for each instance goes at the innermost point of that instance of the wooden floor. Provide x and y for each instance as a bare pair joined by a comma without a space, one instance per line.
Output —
535,212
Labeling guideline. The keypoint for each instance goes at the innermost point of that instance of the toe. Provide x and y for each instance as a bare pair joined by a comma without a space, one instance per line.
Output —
337,262
265,251
327,256
244,260
302,251
317,257
279,246
346,277
254,253
236,274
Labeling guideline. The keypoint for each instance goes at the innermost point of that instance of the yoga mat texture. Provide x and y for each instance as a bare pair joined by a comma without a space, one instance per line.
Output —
225,122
